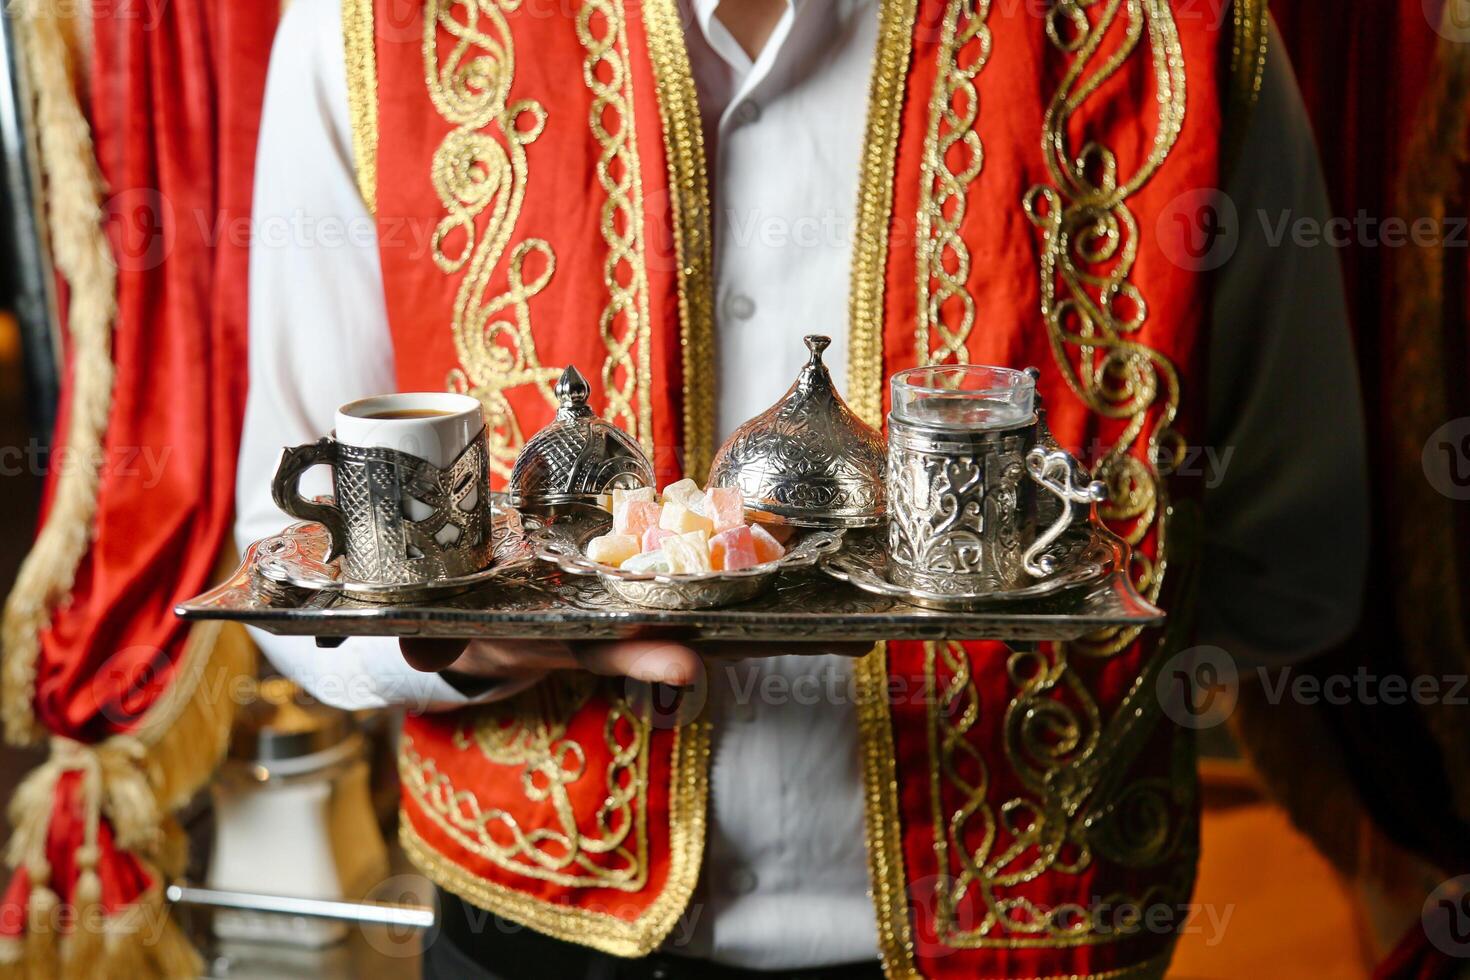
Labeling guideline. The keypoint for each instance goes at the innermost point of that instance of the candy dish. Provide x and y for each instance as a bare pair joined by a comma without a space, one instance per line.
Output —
563,543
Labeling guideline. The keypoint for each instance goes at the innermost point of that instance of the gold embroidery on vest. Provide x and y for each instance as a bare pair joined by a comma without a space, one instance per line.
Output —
598,928
678,108
1092,311
480,165
875,208
362,95
530,732
942,257
1070,761
624,323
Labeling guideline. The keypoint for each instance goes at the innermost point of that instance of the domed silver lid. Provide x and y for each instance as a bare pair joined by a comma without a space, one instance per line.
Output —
577,457
807,460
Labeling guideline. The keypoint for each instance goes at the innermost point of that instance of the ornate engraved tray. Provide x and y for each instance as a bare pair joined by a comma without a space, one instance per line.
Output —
536,600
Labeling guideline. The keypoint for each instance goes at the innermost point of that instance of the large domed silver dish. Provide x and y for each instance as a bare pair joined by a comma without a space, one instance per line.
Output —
807,460
577,458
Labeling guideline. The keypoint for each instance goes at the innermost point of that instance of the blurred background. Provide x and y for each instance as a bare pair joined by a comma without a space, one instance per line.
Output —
1326,826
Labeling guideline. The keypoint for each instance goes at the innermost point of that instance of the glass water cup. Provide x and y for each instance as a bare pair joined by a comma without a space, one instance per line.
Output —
972,397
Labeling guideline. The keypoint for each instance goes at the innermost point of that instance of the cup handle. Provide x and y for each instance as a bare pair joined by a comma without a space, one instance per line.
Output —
286,491
1052,469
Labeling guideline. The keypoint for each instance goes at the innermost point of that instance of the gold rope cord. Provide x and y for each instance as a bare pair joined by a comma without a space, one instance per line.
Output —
626,373
475,168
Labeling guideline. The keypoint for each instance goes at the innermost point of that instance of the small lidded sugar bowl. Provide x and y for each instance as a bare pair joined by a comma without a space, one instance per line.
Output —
578,458
808,460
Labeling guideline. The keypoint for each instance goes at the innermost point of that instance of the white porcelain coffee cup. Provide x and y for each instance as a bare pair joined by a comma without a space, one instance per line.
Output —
411,488
448,423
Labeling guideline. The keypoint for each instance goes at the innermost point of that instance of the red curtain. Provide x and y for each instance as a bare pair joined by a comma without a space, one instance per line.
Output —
173,98
1388,93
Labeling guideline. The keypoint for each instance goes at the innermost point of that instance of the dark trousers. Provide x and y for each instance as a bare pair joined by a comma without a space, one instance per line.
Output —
471,944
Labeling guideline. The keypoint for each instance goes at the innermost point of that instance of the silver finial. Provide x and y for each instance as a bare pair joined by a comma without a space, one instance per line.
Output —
572,391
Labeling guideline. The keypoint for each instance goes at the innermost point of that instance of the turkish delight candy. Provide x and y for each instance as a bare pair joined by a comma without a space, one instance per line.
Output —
732,550
767,548
635,516
687,493
654,537
688,553
680,519
612,549
725,506
655,561
619,495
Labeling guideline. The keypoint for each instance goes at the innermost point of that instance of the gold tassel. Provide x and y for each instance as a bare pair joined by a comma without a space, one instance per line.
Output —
12,958
82,948
142,941
125,778
42,949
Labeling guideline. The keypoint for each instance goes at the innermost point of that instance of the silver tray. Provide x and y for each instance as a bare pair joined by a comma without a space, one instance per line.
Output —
535,600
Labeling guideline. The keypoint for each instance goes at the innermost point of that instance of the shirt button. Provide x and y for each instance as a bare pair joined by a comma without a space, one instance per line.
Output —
740,306
743,881
747,112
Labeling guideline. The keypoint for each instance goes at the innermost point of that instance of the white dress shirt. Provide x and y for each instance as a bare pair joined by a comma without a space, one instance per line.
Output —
785,881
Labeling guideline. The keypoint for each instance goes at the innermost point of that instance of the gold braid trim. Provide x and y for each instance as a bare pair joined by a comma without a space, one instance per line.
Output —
362,95
587,927
678,110
875,208
880,791
73,194
1252,22
865,390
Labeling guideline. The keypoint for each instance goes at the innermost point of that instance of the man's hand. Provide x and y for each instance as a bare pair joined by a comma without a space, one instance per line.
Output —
655,661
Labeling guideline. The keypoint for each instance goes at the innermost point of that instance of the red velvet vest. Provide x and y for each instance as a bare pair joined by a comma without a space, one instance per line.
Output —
541,195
